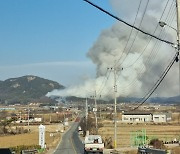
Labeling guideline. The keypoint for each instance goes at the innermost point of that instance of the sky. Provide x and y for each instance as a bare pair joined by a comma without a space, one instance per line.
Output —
73,43
47,37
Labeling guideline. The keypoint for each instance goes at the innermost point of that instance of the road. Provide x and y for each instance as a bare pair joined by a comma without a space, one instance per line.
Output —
70,143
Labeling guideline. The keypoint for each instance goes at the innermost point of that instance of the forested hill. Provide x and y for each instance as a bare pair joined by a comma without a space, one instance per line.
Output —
25,89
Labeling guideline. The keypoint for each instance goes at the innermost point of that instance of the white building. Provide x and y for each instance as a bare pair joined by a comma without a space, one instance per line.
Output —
137,117
145,117
37,119
161,117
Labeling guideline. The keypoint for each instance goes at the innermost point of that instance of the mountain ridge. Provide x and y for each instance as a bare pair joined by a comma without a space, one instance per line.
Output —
26,88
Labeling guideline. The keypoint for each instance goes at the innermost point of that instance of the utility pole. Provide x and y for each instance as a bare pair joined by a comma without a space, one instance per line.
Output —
178,34
86,114
100,108
20,116
28,117
115,110
115,105
95,111
50,115
177,29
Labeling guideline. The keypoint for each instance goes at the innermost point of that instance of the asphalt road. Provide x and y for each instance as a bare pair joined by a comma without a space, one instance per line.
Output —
71,144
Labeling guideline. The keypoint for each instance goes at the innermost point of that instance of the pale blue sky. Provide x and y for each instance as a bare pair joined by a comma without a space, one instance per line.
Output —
48,31
50,38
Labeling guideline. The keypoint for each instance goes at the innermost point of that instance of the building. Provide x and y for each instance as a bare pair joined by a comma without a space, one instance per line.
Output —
161,117
145,117
137,117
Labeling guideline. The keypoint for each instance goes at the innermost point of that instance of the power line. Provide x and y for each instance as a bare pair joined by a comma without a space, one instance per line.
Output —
175,58
154,50
135,37
103,82
103,86
130,32
129,24
151,37
117,18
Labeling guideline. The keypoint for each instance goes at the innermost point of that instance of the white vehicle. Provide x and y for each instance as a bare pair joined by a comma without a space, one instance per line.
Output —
93,143
80,131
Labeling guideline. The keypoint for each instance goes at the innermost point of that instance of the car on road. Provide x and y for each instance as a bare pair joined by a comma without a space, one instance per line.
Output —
93,144
80,131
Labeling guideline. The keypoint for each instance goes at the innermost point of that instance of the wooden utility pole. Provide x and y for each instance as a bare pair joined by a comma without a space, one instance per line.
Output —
178,34
115,105
86,114
115,110
95,111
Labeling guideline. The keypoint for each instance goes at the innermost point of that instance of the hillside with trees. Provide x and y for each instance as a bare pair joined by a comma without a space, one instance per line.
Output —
26,89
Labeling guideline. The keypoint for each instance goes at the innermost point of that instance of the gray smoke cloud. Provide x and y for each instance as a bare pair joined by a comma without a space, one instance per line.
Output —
137,71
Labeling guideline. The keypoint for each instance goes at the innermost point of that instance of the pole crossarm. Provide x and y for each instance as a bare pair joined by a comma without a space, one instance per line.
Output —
117,18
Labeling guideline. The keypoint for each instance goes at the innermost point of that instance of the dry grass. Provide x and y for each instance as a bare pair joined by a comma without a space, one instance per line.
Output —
162,132
176,117
165,132
31,138
176,150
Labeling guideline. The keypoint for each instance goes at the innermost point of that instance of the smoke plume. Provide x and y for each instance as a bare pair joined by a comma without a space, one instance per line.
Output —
138,65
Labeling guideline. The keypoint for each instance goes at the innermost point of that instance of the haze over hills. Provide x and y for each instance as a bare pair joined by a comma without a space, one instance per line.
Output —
159,100
32,88
26,89
175,100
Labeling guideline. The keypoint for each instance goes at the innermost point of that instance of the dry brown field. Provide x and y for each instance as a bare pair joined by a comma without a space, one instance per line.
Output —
165,132
31,138
176,150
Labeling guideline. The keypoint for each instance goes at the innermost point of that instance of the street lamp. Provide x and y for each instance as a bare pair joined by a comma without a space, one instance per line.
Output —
162,24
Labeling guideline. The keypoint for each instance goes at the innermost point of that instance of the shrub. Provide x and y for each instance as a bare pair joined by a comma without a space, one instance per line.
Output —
156,143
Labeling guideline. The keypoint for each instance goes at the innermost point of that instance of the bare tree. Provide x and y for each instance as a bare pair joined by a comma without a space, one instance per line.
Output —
4,124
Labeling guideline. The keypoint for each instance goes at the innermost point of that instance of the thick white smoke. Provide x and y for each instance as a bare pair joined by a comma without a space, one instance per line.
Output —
137,71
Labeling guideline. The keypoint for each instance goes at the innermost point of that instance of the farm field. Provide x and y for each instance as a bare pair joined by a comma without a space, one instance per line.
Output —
162,131
32,138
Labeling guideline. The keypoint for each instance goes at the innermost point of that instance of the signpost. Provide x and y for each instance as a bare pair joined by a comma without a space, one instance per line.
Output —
42,136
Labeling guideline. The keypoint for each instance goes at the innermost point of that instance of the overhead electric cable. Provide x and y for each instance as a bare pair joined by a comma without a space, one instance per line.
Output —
125,47
151,37
117,18
155,48
103,85
131,25
137,32
158,82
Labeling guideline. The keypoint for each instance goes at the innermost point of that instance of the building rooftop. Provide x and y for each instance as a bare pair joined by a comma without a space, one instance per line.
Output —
136,113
